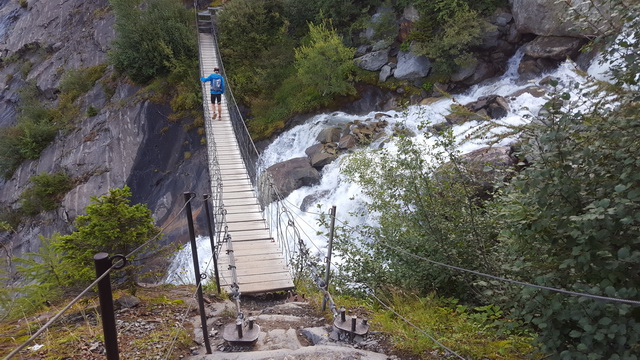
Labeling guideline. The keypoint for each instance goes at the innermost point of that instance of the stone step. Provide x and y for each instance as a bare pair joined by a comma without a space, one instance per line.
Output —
290,331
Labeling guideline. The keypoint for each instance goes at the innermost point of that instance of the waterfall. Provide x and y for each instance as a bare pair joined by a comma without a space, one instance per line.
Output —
335,189
181,272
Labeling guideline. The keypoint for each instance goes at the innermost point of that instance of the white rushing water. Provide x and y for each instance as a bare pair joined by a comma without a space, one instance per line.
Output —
334,189
181,269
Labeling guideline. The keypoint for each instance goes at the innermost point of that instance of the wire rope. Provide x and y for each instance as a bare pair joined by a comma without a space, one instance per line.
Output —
522,283
77,298
184,317
414,326
55,317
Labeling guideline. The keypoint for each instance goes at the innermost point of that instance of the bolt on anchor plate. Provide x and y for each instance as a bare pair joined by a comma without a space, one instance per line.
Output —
350,324
240,333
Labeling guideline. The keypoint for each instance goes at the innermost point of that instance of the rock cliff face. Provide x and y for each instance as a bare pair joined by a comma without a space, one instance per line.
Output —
129,142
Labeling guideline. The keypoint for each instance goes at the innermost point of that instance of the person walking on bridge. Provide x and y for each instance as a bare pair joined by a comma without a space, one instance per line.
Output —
217,89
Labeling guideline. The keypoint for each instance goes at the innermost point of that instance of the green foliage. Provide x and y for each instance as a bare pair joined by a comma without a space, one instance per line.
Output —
46,192
78,81
325,64
570,220
255,46
473,333
345,14
25,68
92,111
424,208
34,131
111,225
385,27
151,37
446,31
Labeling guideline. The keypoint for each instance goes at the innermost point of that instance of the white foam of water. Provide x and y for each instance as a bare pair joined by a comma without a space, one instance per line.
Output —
181,270
334,189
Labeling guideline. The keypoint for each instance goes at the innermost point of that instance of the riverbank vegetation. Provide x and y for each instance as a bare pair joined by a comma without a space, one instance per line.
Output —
567,218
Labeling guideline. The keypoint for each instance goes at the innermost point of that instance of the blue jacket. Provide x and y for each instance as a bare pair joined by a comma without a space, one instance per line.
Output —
215,76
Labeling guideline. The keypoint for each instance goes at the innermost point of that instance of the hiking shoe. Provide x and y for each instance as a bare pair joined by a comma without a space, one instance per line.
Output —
214,116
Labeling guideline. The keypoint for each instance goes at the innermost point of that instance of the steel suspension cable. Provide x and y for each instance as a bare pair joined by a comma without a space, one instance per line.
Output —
414,326
522,283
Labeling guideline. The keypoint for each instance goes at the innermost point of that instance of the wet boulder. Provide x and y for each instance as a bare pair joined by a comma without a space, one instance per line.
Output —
411,67
553,47
373,61
323,155
489,166
347,142
286,177
329,135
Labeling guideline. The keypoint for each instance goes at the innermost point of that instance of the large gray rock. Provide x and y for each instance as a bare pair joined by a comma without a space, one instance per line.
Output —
556,18
411,13
385,73
464,72
373,61
553,47
76,33
322,155
482,71
329,135
488,166
411,67
285,177
321,159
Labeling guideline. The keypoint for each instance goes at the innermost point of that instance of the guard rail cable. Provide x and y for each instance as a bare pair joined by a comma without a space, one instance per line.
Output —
116,265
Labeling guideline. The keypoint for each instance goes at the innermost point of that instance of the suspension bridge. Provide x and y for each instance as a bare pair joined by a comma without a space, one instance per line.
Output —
256,263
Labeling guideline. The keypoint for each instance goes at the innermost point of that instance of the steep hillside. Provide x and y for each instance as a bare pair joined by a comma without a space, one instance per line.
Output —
115,135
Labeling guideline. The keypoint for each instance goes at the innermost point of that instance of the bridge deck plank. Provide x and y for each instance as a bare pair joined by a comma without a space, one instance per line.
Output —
260,265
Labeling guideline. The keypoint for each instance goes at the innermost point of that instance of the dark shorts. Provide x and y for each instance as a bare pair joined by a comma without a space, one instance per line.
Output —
216,97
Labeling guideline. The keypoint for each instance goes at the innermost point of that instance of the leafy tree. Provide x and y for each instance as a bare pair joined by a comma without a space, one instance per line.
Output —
111,225
255,46
571,218
325,64
422,207
149,35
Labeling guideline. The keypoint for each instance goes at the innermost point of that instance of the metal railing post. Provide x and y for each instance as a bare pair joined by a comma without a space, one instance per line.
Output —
329,249
214,253
103,263
196,269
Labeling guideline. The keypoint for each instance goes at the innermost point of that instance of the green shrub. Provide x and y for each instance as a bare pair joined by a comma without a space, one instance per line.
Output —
77,82
45,193
445,32
150,38
110,225
34,131
326,65
423,203
92,111
25,69
570,219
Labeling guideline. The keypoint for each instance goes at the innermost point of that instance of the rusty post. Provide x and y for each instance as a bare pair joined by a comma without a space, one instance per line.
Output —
196,269
103,263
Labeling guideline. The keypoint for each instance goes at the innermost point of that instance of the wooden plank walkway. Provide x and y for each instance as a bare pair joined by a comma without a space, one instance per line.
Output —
260,264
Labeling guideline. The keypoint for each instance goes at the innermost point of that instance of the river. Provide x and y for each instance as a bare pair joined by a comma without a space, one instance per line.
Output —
335,189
